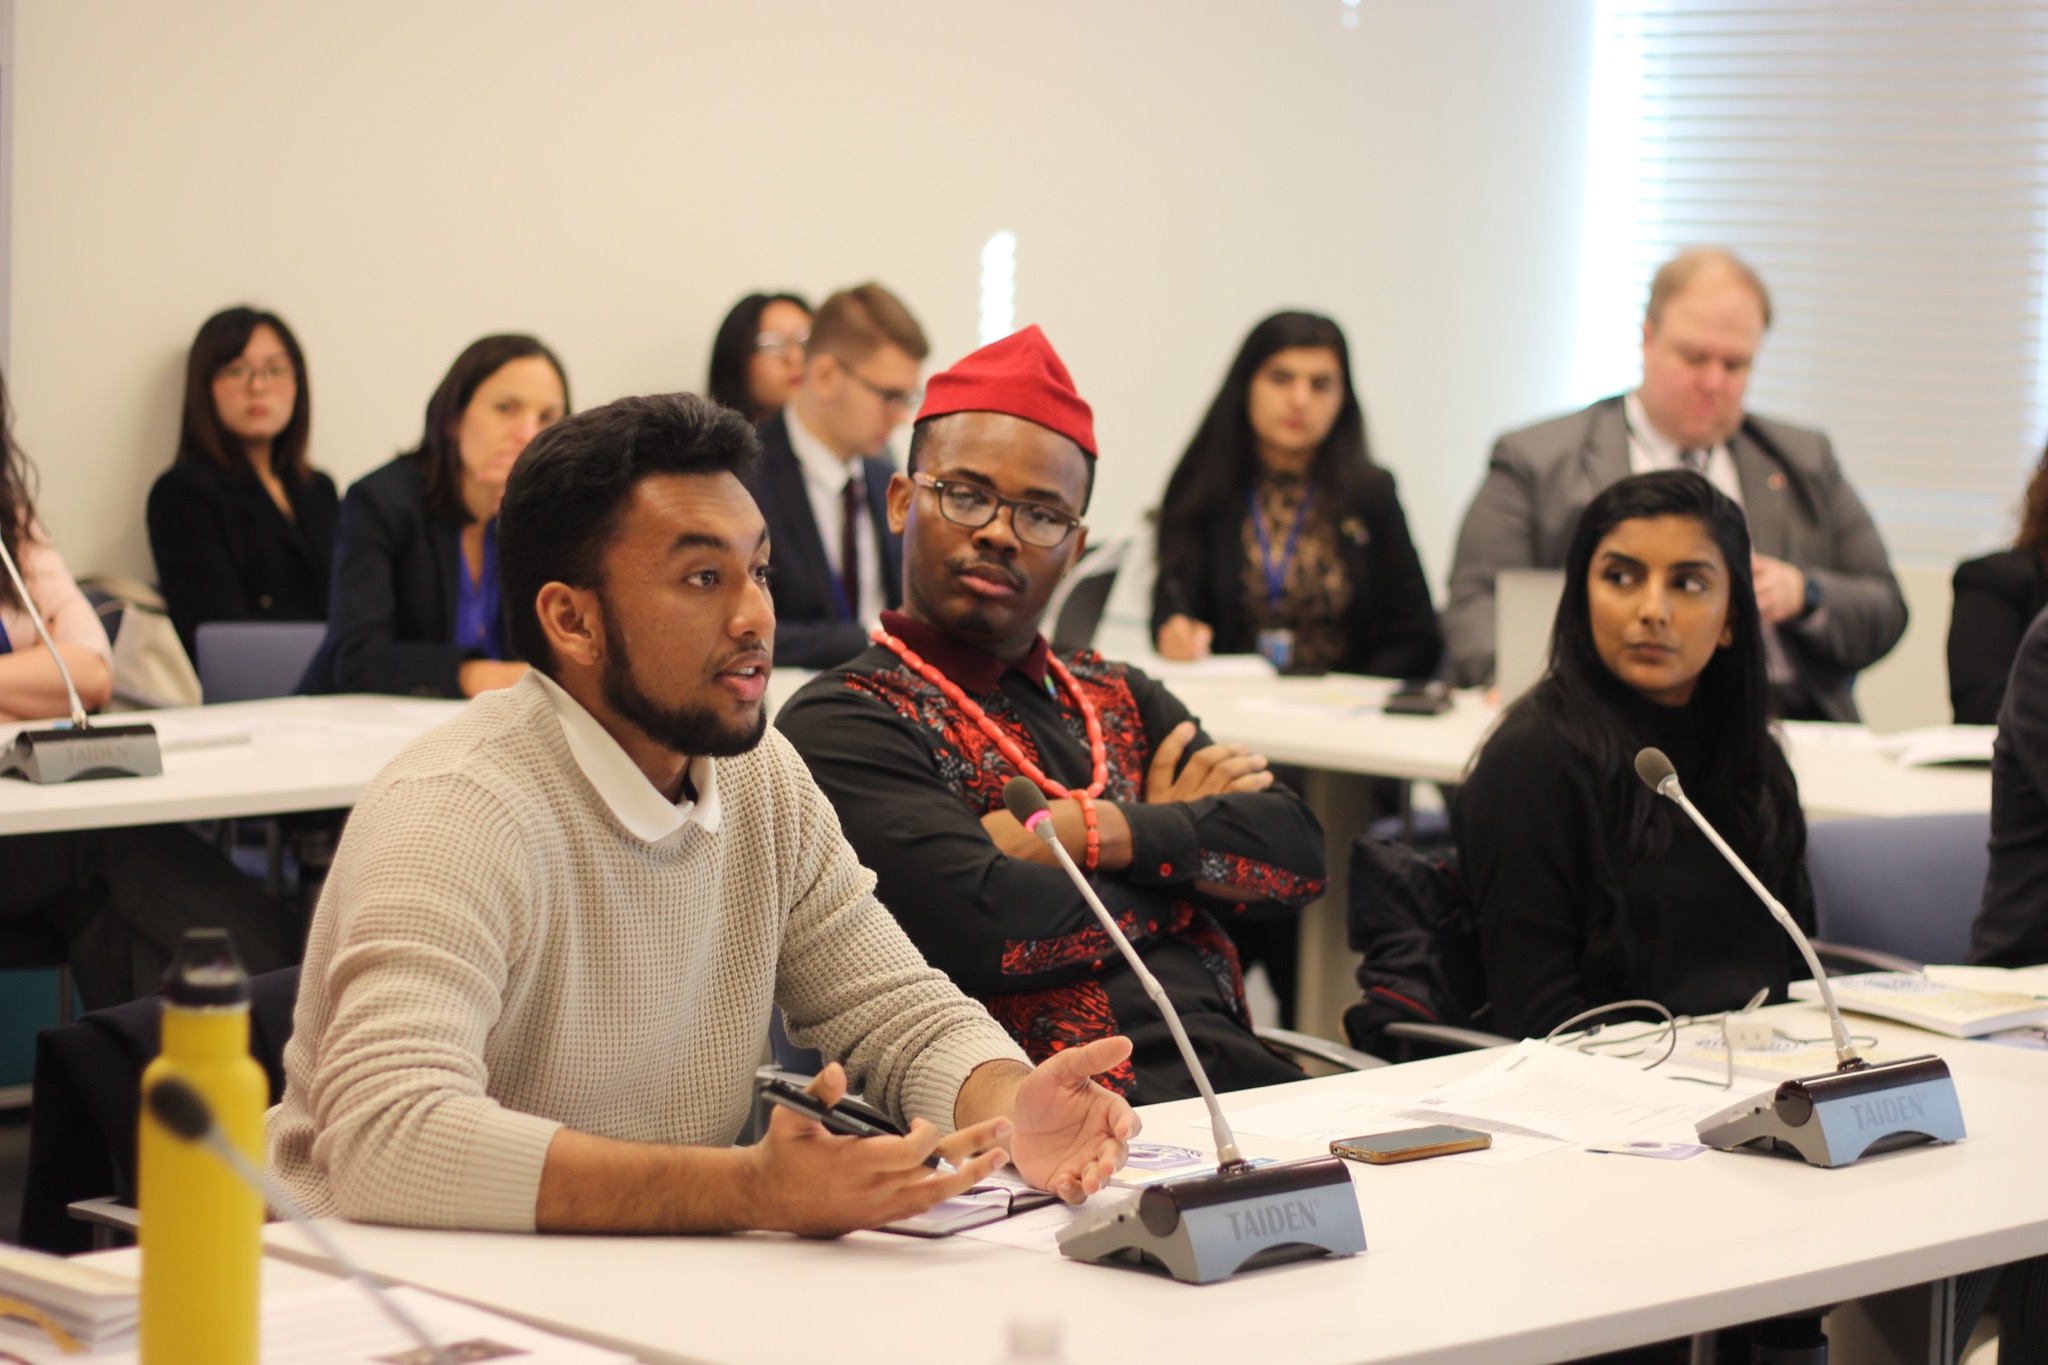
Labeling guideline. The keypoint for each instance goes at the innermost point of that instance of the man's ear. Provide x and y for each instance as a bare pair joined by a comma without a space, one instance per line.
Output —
573,621
901,491
1080,543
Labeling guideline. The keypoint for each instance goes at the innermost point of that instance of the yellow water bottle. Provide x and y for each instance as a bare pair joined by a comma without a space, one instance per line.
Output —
202,1229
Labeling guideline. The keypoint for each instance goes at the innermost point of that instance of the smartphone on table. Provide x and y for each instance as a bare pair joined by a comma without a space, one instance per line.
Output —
1411,1144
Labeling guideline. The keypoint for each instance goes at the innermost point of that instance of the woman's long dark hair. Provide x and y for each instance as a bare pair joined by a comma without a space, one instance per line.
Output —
439,451
17,496
2034,514
733,349
1582,700
1222,460
202,437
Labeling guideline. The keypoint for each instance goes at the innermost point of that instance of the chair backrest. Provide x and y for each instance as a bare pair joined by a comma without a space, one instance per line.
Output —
802,1061
1909,885
250,660
1077,605
87,1103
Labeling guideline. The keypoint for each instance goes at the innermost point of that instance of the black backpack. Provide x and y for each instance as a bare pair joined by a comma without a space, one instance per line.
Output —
1409,915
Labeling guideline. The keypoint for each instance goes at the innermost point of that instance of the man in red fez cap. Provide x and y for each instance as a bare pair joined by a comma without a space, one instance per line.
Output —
914,739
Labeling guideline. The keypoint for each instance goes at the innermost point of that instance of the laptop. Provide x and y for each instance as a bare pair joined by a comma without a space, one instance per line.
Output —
1524,609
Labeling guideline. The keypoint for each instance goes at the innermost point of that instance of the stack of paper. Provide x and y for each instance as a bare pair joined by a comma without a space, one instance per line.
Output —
2000,980
338,1324
96,1306
1927,1003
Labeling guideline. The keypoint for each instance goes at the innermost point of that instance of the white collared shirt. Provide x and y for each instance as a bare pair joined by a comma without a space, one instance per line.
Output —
1650,449
825,476
645,812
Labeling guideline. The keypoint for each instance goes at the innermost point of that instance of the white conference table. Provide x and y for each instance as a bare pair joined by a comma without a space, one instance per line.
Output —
1550,1258
233,760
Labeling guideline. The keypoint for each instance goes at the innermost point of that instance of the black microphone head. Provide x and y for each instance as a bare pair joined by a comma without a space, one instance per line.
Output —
180,1108
1653,767
1023,799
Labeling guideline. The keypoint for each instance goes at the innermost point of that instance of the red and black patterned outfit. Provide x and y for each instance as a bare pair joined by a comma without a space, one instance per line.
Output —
911,778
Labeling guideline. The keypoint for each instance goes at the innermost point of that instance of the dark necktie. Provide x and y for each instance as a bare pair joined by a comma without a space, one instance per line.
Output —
850,509
1695,460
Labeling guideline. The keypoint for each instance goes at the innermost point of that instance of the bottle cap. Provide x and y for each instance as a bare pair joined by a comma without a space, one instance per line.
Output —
206,972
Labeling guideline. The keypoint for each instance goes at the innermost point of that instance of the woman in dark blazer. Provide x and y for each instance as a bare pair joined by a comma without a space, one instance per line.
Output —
241,525
1997,598
415,605
1278,533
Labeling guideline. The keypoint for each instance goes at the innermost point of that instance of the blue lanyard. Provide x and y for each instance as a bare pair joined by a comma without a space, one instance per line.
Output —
1276,574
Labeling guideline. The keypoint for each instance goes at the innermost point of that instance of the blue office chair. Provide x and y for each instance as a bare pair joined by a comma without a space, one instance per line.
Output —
1908,886
250,660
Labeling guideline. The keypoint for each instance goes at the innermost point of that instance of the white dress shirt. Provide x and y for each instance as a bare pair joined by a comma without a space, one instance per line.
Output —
620,783
825,476
1650,449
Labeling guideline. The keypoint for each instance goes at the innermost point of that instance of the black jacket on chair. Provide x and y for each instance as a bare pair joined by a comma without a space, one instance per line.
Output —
88,1102
1391,629
397,581
1997,598
812,628
224,552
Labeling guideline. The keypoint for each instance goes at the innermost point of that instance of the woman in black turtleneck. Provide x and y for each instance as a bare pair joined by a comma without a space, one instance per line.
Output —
1591,889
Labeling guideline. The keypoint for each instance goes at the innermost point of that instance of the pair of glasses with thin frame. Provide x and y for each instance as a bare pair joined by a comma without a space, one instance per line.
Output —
239,373
777,342
972,506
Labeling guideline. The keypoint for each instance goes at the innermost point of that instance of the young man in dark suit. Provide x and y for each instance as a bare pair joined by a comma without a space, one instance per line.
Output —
823,479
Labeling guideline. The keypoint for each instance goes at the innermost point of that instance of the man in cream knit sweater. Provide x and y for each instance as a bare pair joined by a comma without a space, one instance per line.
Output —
543,964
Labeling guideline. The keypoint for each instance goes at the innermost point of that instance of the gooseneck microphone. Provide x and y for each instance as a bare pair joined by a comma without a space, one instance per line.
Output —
44,756
1832,1119
1662,778
1206,1227
1027,803
186,1113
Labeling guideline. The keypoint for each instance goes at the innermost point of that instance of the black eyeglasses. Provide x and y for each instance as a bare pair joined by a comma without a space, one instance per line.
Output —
893,398
972,506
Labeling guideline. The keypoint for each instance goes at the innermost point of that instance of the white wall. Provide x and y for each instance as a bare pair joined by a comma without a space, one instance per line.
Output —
398,177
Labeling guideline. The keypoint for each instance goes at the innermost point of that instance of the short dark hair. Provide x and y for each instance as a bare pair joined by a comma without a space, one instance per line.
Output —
439,453
202,437
920,436
570,487
732,351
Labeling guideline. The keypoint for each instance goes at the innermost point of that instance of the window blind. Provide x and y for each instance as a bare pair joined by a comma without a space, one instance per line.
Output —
1885,169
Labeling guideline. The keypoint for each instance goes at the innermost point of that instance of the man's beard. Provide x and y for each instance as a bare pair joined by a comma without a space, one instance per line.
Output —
697,732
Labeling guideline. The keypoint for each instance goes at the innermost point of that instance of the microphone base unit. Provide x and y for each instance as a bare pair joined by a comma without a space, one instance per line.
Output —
1209,1227
82,754
1837,1118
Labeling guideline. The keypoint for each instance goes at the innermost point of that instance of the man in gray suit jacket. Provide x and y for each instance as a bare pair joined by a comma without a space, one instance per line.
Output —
1824,584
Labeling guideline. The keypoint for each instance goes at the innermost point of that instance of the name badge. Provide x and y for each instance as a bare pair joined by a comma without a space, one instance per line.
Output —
1278,647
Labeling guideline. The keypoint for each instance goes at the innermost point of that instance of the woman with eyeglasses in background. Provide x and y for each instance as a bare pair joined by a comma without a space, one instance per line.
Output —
118,900
416,608
241,525
757,359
